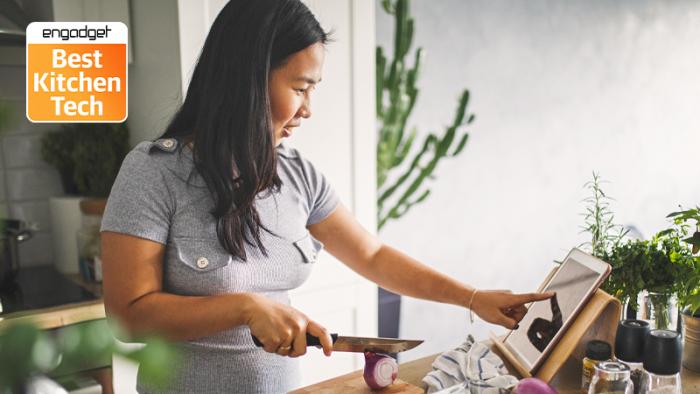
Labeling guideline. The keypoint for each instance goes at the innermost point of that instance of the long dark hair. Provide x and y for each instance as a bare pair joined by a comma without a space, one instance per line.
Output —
227,109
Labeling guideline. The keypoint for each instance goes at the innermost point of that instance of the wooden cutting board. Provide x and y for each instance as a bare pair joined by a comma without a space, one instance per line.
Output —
355,383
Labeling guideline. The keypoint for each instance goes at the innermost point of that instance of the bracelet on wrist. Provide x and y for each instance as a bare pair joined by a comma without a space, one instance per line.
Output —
471,310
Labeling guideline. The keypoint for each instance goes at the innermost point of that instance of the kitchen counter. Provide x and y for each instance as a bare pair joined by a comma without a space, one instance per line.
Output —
85,305
61,315
411,373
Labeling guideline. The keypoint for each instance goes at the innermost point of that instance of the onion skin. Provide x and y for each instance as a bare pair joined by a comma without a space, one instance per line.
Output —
380,370
533,386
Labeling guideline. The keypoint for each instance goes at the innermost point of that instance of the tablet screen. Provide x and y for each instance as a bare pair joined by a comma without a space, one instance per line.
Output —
572,282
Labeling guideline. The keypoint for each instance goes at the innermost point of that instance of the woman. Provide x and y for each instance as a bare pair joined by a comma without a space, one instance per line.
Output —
208,228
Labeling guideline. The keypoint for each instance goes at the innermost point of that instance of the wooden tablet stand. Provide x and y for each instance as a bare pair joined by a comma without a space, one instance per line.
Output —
597,320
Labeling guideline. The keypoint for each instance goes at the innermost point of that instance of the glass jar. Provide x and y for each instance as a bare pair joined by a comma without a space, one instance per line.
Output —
611,378
596,352
88,238
636,374
661,384
661,310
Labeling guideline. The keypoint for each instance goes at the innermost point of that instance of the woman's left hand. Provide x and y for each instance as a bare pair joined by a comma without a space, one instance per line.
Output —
504,308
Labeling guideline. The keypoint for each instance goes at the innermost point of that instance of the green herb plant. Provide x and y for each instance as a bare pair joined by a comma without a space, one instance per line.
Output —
664,266
27,351
399,191
685,236
626,258
599,220
87,156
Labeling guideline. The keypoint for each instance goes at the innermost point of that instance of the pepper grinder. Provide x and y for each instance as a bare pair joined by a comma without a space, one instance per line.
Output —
629,348
663,353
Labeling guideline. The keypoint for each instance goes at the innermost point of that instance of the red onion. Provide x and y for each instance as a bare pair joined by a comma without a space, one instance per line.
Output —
380,370
533,386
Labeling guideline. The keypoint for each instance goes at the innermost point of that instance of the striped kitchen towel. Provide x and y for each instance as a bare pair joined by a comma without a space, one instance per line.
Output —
469,368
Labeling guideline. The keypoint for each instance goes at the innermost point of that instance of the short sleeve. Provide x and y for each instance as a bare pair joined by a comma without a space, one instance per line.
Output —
323,198
140,202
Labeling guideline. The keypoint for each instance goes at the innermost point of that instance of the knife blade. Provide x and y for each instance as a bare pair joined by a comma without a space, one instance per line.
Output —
361,344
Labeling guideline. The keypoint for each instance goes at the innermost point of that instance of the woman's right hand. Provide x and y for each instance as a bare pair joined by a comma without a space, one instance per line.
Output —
282,329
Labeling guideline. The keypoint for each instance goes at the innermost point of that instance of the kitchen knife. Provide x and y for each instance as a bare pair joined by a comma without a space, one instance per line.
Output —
360,344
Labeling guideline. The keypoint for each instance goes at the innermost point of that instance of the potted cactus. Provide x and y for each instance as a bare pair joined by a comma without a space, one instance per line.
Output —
396,96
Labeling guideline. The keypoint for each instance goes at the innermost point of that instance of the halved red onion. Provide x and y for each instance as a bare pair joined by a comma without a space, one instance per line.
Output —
380,370
533,386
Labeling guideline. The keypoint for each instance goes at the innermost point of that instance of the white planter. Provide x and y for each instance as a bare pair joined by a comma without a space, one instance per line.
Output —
65,222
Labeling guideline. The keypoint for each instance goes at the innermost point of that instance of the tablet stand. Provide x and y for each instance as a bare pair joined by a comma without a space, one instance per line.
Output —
597,320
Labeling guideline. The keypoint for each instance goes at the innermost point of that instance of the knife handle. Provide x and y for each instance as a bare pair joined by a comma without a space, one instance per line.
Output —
310,340
314,341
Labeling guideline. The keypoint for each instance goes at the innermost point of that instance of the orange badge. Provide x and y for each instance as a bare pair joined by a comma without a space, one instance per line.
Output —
77,72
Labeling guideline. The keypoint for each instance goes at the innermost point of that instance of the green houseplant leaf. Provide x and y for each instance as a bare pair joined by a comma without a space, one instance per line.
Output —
25,351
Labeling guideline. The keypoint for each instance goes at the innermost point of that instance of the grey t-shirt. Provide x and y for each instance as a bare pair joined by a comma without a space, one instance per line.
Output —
155,198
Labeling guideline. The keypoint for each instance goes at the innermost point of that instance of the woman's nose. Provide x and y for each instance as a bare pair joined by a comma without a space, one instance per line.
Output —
305,110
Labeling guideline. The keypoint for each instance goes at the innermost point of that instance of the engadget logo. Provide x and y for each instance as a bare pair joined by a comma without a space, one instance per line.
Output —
77,72
65,34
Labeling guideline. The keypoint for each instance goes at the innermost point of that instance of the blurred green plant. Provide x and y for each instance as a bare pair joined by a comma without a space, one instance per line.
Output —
87,156
396,96
27,351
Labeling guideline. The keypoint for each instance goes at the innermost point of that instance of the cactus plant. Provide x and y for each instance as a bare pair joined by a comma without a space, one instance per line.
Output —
396,96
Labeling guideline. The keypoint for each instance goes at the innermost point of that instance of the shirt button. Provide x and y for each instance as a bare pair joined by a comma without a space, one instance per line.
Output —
202,262
168,143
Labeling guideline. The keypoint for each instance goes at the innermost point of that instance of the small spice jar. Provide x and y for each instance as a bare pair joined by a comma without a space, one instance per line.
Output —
596,352
611,377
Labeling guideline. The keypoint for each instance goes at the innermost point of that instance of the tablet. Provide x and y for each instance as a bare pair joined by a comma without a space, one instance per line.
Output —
576,280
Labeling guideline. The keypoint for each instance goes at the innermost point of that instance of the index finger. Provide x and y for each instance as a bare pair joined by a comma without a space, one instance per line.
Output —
323,335
526,298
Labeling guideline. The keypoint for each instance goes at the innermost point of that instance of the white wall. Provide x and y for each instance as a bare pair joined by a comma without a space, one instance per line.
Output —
153,100
559,89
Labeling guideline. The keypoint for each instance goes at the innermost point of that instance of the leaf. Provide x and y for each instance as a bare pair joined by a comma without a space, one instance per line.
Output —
665,232
388,6
158,362
694,240
462,143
